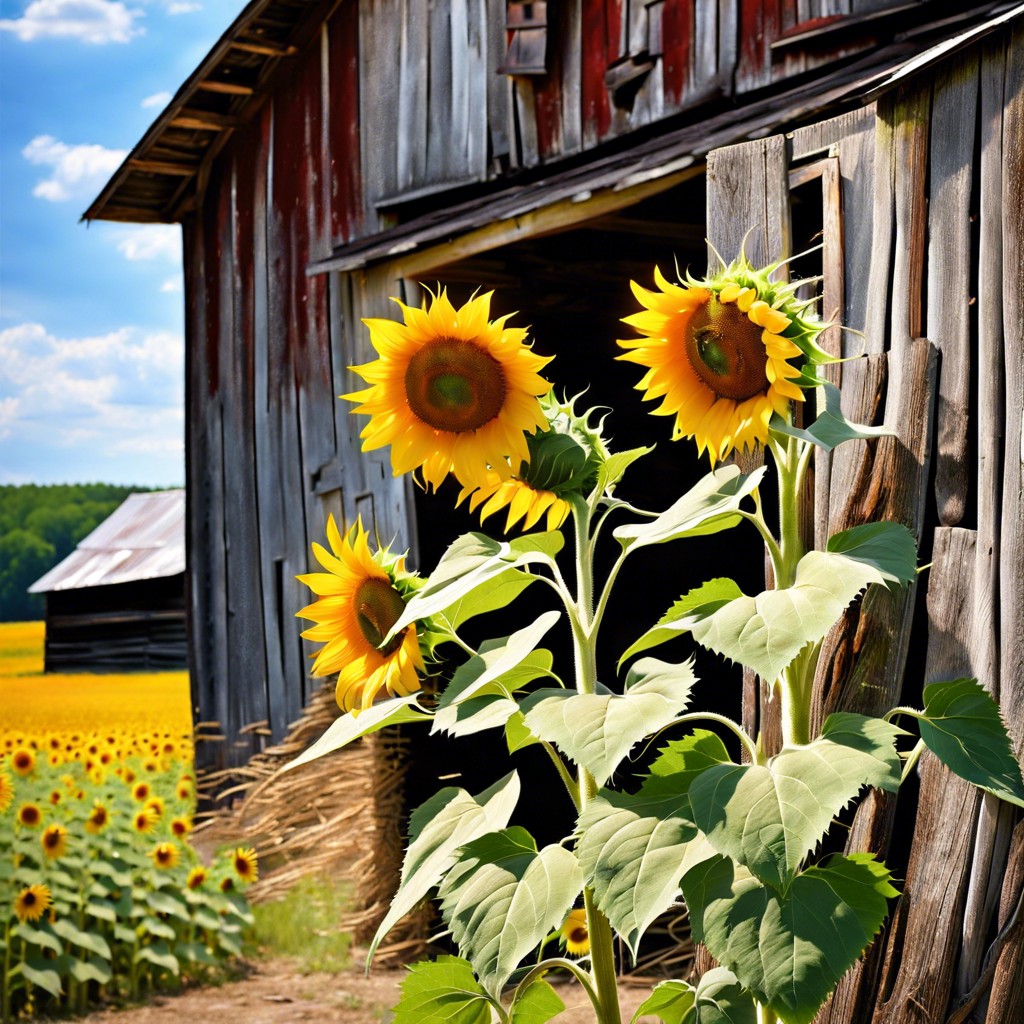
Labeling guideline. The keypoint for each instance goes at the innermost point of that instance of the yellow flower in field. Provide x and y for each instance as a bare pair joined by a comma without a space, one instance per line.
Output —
32,902
361,597
144,821
99,818
184,790
574,934
54,759
6,791
29,815
156,805
227,884
246,864
141,792
451,391
180,826
55,797
718,354
54,841
196,878
23,762
523,501
165,855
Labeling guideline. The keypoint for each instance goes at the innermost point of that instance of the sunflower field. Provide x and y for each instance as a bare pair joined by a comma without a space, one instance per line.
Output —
101,893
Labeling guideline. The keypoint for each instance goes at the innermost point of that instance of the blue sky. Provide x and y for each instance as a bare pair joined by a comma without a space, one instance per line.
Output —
91,318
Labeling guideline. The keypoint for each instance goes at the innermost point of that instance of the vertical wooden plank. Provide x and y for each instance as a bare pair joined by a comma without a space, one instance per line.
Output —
413,137
991,842
477,43
379,60
343,145
910,148
759,23
547,91
949,275
499,124
677,32
570,42
883,216
440,87
596,106
920,959
1007,1001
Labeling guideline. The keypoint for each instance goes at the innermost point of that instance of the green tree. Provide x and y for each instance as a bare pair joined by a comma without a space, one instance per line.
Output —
24,558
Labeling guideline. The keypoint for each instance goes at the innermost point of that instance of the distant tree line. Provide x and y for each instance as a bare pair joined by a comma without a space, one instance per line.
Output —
39,527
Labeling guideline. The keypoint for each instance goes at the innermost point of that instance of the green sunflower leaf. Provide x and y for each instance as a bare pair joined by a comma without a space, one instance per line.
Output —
487,711
474,561
769,817
717,999
961,725
38,971
831,427
159,955
684,759
442,992
502,590
614,467
789,950
768,631
597,730
708,507
86,940
503,896
448,820
348,728
92,969
634,848
42,936
537,1005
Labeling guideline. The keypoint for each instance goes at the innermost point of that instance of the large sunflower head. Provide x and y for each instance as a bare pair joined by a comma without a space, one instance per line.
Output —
725,354
565,459
451,391
32,902
361,596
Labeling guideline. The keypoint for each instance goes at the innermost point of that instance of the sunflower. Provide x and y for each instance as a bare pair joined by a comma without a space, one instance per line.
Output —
180,826
144,821
522,500
574,934
361,596
246,865
718,354
196,878
54,841
30,815
23,761
98,819
164,855
141,792
156,805
6,791
32,902
451,391
227,884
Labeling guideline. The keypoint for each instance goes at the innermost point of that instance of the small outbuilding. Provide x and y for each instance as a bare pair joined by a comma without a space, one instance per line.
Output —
117,602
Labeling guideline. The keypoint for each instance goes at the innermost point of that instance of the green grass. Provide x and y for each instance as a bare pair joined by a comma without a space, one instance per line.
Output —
304,925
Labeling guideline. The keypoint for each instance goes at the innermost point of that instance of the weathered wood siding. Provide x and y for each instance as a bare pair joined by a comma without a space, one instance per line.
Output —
921,212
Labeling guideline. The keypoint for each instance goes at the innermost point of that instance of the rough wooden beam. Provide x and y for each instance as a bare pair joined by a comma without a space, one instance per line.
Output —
204,120
169,167
265,49
225,88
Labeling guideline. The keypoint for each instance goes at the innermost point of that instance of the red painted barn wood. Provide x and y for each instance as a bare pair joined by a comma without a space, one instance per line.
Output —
327,156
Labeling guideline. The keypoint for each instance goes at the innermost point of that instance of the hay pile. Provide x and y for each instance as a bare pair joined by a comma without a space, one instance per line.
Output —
341,815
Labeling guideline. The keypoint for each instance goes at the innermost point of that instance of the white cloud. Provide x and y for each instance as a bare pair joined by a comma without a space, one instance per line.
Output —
78,172
158,99
92,21
150,242
173,284
115,393
182,7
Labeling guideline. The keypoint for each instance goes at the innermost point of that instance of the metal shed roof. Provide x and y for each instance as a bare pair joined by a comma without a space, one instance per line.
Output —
143,539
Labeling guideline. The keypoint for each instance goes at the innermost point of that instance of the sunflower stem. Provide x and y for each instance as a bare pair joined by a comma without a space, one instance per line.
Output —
5,989
544,966
571,786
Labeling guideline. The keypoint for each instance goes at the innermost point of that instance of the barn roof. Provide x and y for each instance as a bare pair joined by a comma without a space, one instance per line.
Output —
160,178
143,539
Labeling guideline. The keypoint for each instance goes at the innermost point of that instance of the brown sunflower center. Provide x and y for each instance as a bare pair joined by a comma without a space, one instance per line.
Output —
28,899
454,385
378,607
724,348
579,935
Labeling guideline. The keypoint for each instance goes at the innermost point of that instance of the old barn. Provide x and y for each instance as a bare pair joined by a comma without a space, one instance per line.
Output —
117,602
325,156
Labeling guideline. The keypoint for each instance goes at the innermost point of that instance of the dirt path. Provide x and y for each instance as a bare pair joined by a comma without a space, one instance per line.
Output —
273,993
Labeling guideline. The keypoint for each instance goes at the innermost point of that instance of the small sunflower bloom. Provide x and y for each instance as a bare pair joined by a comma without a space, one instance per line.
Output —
180,826
164,855
196,877
227,884
29,815
98,819
361,596
32,902
245,864
574,934
725,354
141,792
156,805
54,841
144,821
451,390
23,761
